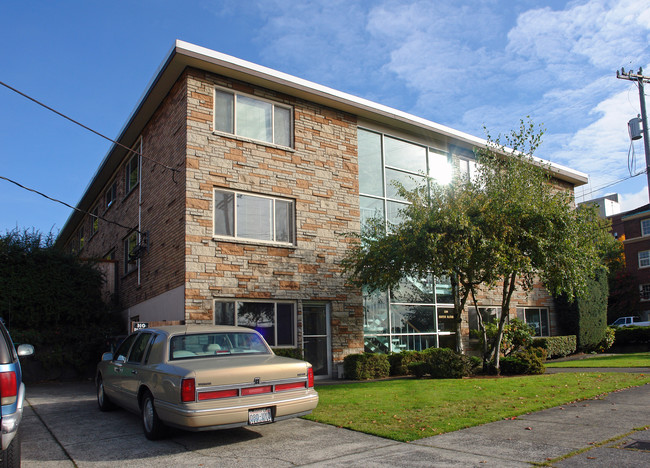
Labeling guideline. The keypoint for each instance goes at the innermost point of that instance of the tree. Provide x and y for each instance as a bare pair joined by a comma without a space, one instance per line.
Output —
502,229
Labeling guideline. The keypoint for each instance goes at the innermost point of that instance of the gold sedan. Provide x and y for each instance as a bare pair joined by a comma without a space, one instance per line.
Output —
198,377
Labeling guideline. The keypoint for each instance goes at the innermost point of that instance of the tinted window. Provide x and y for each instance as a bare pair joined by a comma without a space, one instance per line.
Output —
201,345
123,350
139,347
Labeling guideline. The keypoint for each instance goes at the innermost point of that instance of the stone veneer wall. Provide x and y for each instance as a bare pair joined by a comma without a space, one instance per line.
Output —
320,174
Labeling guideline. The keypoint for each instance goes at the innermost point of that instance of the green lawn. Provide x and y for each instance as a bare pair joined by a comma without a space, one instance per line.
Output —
410,409
619,360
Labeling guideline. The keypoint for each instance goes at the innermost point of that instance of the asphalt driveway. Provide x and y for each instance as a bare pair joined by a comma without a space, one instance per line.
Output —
62,427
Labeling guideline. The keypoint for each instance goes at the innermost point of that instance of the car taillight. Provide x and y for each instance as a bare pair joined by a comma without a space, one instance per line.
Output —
310,377
8,387
188,390
256,390
289,386
218,394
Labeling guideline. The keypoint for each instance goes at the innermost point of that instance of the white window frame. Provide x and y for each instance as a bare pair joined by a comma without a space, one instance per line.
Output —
129,263
644,259
472,310
644,292
110,195
233,121
234,193
294,318
645,227
133,164
541,310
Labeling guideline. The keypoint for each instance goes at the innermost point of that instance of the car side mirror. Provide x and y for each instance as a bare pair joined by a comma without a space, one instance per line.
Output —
25,350
107,357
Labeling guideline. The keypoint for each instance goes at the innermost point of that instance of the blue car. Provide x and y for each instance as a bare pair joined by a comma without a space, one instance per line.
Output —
12,396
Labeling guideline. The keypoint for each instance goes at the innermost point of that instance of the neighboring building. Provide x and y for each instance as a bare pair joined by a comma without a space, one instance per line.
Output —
608,205
633,229
237,208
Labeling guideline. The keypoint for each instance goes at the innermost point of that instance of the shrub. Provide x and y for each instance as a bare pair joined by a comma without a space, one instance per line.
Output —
366,366
295,353
445,363
516,335
400,362
608,341
527,361
418,369
632,335
556,346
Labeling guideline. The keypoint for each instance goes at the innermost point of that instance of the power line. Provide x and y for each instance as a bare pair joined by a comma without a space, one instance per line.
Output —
173,169
70,206
609,184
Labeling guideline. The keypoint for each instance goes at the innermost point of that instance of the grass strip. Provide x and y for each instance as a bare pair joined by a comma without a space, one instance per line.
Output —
618,360
411,409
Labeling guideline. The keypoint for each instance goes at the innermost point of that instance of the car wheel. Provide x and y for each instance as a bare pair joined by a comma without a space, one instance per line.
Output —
11,456
152,425
103,401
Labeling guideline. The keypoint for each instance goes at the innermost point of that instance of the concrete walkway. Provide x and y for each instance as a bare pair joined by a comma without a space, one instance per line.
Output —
62,427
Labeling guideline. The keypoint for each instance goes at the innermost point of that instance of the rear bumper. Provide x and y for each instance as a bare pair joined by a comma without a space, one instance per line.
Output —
11,421
200,417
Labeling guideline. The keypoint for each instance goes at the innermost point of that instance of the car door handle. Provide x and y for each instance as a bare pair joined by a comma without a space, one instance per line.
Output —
134,371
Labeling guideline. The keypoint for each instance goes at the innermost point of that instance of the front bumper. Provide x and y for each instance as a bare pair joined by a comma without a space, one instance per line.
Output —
11,421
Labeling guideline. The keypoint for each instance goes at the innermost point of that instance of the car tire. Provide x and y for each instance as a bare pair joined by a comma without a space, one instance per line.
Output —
152,426
10,458
103,401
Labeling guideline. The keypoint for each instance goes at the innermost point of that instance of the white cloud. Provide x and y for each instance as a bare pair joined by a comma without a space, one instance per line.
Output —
629,201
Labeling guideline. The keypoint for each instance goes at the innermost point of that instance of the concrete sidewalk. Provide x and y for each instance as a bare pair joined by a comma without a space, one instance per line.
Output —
63,427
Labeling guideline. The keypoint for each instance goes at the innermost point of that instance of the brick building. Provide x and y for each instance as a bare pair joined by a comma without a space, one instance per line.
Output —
232,187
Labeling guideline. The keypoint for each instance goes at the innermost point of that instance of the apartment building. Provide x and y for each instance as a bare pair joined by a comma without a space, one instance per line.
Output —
229,197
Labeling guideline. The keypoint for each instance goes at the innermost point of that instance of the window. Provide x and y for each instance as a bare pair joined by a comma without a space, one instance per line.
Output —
645,227
467,168
132,171
94,221
256,217
111,194
253,118
275,321
536,318
81,237
139,347
489,314
130,244
644,291
644,259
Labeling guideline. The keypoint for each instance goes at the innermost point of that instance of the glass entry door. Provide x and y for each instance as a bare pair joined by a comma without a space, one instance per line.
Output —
316,337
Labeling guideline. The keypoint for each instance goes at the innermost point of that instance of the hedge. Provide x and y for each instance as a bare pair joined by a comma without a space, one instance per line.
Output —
400,362
528,361
632,335
366,366
557,346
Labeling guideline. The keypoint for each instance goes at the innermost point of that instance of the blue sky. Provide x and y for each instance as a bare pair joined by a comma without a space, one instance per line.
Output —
464,64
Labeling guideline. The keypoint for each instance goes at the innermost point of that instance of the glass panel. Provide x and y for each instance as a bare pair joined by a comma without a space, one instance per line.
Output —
443,291
283,221
413,290
285,325
412,319
645,227
254,219
375,312
408,181
405,155
446,320
138,348
489,314
223,111
282,126
122,351
413,342
254,119
371,208
394,212
439,167
224,212
260,317
316,354
224,313
447,341
314,320
371,179
376,344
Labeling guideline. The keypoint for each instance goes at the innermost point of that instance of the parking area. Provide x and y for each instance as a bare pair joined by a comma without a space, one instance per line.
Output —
62,427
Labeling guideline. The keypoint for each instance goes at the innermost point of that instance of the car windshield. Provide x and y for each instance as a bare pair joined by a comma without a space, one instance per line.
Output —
216,344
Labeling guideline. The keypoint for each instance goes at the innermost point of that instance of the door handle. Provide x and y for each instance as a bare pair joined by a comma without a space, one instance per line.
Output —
134,371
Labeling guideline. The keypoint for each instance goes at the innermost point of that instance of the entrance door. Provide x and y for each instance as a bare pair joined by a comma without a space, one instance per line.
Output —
316,339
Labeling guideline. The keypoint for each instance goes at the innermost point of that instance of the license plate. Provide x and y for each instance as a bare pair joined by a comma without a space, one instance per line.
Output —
260,416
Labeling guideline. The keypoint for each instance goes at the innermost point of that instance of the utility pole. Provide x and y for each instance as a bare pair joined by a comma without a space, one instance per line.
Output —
640,79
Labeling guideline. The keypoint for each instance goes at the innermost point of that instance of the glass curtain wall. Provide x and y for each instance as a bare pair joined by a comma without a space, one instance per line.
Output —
418,314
